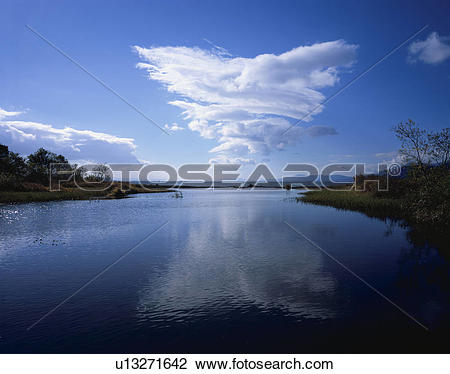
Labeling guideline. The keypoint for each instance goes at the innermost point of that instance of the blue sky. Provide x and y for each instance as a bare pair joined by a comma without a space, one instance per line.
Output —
253,89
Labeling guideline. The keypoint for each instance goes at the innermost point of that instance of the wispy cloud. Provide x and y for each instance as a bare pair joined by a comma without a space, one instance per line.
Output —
25,137
386,154
433,50
5,113
247,104
390,157
316,131
220,50
173,127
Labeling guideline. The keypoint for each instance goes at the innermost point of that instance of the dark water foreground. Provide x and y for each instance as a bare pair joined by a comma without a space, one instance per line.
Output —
226,274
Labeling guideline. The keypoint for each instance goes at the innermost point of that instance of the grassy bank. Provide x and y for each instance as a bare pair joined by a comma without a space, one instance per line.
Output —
357,201
419,233
73,193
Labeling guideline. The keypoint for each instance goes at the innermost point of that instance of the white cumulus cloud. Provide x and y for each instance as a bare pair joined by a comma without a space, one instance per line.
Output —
26,137
247,104
433,50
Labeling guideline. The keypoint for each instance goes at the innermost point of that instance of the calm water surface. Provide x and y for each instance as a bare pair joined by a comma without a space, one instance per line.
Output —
225,274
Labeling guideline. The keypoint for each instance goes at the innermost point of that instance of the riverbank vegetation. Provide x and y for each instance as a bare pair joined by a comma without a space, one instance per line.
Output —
46,176
354,200
419,196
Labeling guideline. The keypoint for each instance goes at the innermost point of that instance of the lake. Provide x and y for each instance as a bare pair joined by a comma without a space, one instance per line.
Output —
225,273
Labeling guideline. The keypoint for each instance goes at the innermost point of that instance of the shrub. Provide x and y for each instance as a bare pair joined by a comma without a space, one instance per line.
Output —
9,182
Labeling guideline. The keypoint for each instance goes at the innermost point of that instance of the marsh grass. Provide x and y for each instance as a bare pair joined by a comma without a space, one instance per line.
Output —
356,201
8,197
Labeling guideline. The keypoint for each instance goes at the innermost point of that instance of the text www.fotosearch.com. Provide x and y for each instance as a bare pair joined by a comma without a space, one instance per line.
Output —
231,364
246,364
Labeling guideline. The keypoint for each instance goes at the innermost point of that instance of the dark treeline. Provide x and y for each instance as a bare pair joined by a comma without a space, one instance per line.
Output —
47,176
35,171
18,173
